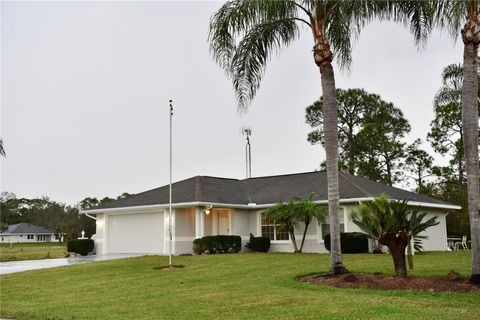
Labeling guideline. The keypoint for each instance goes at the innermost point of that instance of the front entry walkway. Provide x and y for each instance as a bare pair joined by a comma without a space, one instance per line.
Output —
26,265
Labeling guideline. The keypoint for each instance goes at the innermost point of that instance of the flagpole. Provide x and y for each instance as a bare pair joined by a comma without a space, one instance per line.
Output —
170,192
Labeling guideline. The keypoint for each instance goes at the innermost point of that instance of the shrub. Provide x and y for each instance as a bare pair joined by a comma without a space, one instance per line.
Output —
217,244
258,244
80,246
198,246
351,242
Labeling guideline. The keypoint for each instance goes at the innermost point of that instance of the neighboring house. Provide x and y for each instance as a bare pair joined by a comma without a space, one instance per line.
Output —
209,206
27,232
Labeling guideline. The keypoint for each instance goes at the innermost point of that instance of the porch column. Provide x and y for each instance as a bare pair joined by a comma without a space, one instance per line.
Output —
198,223
202,223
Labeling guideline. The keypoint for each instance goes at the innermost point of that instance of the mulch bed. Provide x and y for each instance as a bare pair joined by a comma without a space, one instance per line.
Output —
383,282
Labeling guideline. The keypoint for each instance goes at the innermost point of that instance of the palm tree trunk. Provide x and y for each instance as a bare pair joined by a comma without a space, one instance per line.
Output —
291,231
304,235
470,134
398,256
331,152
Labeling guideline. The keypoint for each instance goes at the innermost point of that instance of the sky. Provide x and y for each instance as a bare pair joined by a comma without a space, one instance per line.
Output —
85,89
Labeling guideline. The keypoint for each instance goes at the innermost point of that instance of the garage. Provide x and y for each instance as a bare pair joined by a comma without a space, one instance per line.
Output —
135,233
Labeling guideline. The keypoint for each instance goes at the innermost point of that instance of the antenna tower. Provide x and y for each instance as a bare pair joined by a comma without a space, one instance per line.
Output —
247,131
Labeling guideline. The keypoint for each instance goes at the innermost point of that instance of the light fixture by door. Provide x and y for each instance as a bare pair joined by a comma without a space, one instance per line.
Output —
207,209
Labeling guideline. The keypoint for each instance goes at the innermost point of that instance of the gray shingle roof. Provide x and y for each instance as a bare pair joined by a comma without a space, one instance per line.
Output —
264,190
25,227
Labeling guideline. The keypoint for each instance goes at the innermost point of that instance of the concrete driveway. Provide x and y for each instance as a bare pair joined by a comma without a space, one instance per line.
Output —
26,265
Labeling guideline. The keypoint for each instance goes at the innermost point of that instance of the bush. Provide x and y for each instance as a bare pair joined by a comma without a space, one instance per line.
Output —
198,246
217,244
258,244
80,246
351,242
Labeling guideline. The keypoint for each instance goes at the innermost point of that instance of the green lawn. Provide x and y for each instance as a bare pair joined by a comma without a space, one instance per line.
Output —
234,286
31,251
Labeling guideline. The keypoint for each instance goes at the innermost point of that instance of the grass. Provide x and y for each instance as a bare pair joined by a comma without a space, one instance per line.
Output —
234,286
31,251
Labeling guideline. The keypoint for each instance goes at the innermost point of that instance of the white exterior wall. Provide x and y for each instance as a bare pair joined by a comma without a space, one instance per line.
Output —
241,225
22,238
437,235
100,234
184,230
246,221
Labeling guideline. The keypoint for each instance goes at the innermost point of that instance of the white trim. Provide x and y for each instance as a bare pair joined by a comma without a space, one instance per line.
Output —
250,206
280,241
259,224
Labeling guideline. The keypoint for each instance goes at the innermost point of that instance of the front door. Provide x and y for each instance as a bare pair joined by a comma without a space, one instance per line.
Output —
224,222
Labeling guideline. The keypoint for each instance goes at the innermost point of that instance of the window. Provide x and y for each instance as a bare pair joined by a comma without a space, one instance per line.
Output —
30,236
272,230
325,227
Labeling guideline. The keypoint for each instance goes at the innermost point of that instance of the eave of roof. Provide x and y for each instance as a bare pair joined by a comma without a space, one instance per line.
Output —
264,192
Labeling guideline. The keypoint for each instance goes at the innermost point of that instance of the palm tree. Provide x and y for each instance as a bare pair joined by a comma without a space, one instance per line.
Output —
245,33
464,16
393,224
297,210
446,134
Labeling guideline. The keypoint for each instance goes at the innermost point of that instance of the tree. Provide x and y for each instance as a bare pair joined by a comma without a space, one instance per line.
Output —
370,133
383,148
418,164
352,106
291,214
245,33
123,195
59,217
393,224
305,210
282,215
446,134
464,16
88,203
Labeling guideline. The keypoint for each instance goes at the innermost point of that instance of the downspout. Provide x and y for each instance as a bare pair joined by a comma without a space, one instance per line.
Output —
91,217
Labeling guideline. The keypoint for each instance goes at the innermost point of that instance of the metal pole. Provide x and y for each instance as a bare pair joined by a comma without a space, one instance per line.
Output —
246,159
249,158
170,192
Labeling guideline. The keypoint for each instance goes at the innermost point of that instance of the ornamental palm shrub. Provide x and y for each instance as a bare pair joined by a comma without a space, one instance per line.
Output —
393,224
297,210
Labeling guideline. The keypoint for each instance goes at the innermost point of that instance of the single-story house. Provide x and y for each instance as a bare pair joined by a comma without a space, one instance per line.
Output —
27,232
204,205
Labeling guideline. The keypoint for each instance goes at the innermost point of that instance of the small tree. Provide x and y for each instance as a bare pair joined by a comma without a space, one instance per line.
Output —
393,224
297,210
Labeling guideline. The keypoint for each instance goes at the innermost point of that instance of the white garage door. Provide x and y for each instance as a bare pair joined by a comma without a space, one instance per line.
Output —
135,233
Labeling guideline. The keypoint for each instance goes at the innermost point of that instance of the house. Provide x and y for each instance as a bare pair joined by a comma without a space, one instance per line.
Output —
205,205
26,232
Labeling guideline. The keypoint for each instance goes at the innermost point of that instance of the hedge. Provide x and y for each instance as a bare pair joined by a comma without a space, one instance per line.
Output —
258,244
80,246
217,244
351,242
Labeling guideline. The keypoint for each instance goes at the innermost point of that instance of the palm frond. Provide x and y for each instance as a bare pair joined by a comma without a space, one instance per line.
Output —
419,16
253,52
235,18
450,15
